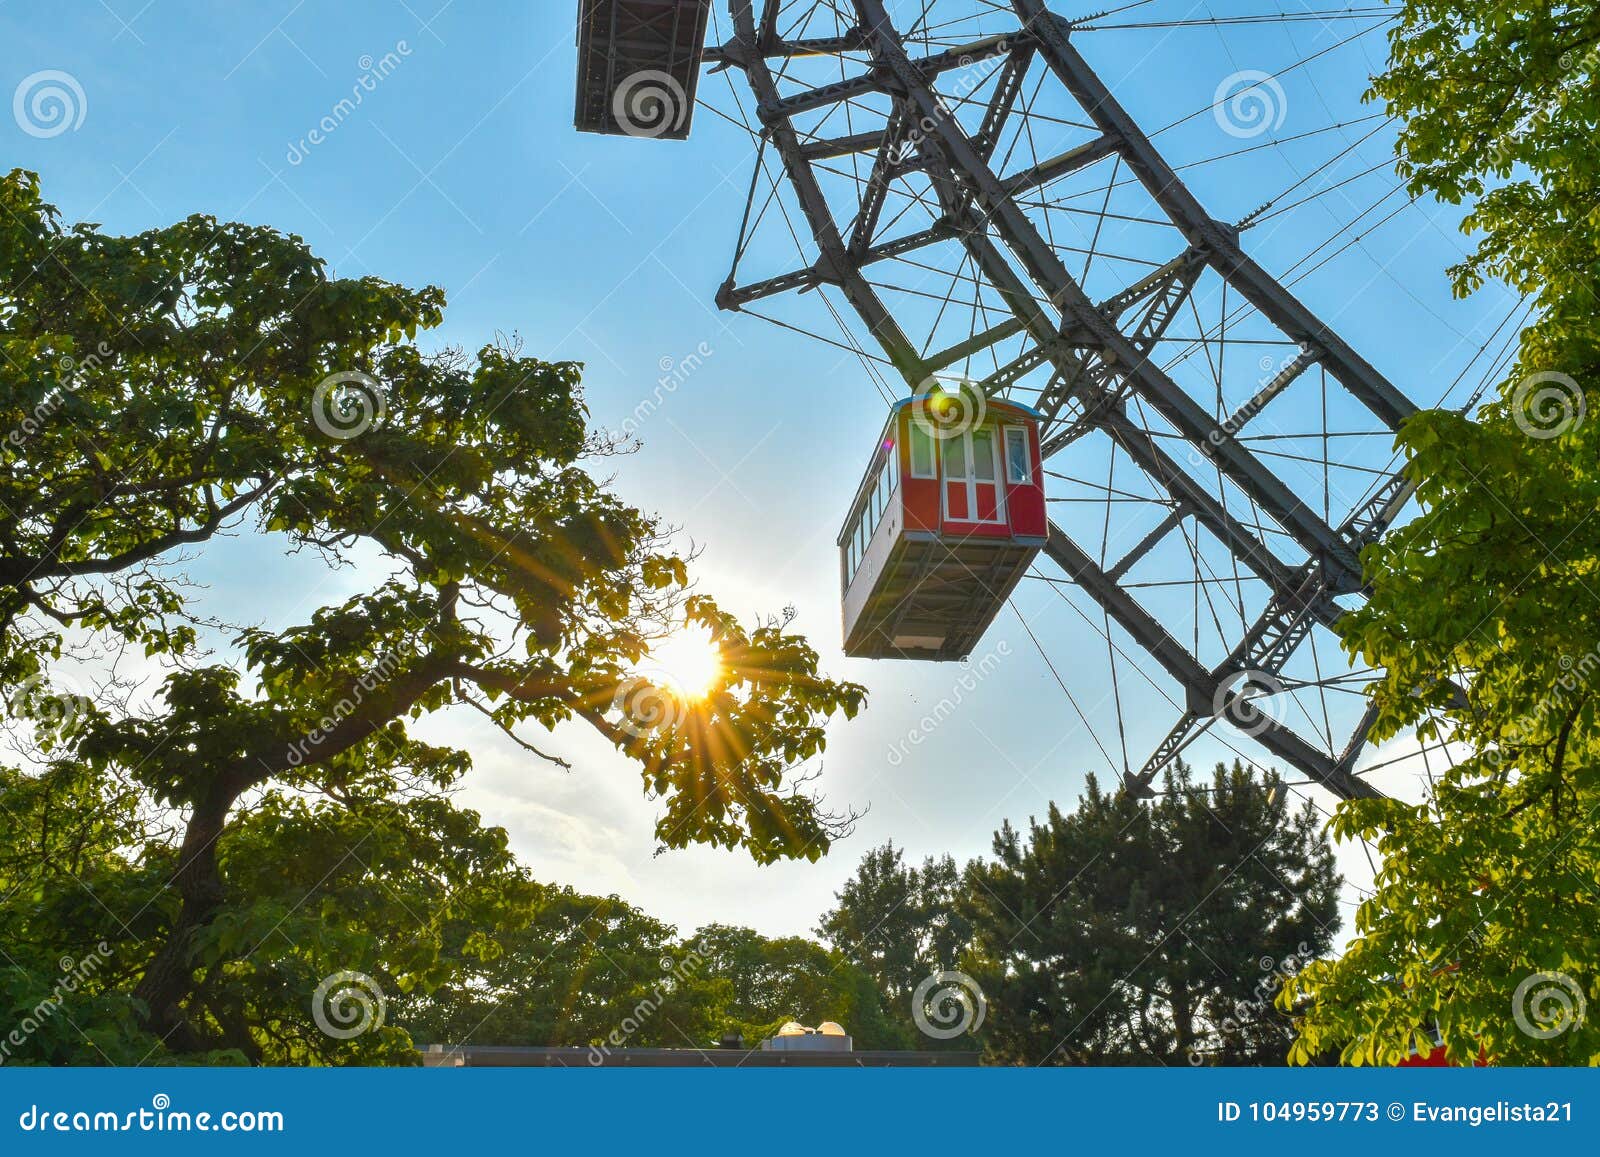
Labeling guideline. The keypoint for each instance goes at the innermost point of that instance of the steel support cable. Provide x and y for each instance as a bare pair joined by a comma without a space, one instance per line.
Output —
1322,692
1252,221
1089,727
774,195
1112,12
1200,590
1301,63
1150,679
963,19
850,342
1232,153
1290,281
791,226
1261,214
1507,350
1326,16
1155,500
954,278
1105,615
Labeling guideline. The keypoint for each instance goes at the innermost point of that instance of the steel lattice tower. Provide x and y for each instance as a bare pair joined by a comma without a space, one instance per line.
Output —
969,186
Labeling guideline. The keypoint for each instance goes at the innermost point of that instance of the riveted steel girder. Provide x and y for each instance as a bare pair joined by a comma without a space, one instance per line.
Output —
1220,242
1023,238
1200,685
1098,356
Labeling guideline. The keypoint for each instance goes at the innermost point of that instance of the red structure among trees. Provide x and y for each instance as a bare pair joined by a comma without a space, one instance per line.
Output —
948,517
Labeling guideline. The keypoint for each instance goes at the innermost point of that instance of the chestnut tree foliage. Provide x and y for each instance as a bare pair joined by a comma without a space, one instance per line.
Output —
1485,611
268,814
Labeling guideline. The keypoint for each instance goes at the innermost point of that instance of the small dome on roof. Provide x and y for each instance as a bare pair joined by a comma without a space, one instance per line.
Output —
792,1028
829,1028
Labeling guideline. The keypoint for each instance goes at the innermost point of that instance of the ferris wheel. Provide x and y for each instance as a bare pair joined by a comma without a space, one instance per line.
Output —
997,238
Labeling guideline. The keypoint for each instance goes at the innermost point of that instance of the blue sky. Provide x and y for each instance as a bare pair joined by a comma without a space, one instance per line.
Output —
460,168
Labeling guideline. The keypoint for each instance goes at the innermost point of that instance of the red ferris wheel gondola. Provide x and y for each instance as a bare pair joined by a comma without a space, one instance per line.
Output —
947,519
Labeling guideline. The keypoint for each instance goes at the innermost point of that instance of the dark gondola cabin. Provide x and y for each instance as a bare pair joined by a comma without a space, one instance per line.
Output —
947,519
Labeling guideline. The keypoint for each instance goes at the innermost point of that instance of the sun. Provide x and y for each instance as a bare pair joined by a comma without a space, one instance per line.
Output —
688,660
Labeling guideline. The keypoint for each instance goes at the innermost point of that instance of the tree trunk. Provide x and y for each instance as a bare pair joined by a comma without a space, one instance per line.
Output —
1182,1021
168,981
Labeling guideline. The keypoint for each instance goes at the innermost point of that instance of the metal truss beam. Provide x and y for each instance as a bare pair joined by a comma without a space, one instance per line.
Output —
1289,616
1161,293
1053,168
1003,100
1202,688
1139,445
1218,241
885,168
962,56
827,147
962,350
1046,270
732,296
1098,356
1280,381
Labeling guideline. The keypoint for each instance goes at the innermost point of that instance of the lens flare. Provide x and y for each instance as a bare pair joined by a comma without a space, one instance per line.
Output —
688,660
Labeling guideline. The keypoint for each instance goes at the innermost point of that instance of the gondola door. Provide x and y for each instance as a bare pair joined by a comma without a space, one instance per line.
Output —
971,478
985,476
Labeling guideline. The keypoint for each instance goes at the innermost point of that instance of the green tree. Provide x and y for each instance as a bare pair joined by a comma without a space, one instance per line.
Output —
900,923
1128,932
582,971
74,908
395,881
1484,612
164,386
791,978
154,388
